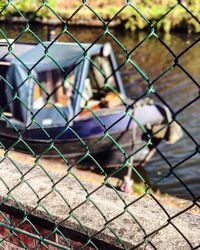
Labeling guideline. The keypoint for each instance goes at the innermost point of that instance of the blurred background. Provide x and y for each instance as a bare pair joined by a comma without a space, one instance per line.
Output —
130,23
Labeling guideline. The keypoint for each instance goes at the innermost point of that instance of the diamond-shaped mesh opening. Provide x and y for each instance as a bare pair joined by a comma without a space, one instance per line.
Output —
149,45
191,55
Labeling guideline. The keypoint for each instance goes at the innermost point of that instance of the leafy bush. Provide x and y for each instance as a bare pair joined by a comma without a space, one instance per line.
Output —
30,7
177,18
153,10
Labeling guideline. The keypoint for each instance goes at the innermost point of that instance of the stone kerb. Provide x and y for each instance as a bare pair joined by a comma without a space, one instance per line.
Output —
101,212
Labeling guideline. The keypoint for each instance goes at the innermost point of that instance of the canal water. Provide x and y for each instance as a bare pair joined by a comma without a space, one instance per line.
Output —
175,87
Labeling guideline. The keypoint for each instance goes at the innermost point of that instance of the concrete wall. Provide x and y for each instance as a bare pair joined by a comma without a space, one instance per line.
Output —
27,190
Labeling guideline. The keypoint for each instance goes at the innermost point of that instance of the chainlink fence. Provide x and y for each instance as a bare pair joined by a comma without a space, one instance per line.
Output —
106,75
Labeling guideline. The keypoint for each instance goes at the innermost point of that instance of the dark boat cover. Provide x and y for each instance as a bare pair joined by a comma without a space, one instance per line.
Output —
38,59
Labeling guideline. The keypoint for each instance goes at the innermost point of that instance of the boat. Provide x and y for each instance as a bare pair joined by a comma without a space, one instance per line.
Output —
68,100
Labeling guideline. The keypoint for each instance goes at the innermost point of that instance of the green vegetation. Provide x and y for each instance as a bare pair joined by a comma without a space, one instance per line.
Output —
176,18
153,10
29,8
140,189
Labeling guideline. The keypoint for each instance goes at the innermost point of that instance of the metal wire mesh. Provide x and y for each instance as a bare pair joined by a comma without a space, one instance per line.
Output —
128,162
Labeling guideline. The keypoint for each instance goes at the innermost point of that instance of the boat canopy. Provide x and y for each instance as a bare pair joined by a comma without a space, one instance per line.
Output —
52,56
23,73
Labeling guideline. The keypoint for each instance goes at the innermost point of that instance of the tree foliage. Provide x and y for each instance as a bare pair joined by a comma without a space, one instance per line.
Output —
153,10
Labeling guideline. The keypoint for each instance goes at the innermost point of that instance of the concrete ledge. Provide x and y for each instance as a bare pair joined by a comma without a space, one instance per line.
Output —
96,211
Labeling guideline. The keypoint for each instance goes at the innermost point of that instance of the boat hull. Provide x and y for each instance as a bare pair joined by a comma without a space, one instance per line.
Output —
111,150
113,141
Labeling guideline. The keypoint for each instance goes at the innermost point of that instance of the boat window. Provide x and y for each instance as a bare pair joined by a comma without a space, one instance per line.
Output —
99,71
52,84
94,94
3,98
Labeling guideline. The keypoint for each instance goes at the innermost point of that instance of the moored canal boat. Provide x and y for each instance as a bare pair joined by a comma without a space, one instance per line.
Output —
63,99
